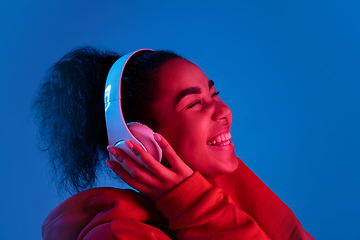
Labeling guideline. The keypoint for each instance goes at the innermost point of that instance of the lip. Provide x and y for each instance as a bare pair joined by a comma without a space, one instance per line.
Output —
221,131
228,147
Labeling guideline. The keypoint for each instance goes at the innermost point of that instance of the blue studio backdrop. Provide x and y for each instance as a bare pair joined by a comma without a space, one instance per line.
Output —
289,70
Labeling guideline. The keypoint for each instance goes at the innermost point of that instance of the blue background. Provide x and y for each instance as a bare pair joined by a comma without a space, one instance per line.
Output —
289,70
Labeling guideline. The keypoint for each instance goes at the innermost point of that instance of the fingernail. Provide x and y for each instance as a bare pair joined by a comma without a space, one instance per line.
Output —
157,137
129,144
111,150
109,164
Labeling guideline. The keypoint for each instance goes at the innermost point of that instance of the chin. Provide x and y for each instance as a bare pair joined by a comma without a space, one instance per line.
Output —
230,167
233,164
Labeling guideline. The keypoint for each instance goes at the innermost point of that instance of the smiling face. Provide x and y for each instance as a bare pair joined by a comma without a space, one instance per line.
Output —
194,120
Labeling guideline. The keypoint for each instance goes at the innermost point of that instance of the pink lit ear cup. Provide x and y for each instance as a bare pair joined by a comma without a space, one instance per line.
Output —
146,137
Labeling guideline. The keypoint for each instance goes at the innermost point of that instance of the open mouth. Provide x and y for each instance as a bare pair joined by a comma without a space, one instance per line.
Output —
220,140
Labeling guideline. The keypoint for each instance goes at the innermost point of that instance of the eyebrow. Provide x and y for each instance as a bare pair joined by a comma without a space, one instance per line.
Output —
191,90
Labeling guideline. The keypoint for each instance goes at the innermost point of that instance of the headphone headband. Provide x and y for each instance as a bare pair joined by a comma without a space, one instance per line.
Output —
117,129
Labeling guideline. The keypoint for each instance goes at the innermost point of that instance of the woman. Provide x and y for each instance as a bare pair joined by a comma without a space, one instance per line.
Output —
200,190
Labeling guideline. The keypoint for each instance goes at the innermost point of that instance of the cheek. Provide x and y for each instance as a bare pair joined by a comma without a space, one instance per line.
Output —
188,138
190,144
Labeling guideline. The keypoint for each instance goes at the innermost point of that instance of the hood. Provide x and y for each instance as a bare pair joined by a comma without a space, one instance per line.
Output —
76,216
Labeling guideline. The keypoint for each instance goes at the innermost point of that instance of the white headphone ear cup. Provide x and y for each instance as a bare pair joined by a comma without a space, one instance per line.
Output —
145,136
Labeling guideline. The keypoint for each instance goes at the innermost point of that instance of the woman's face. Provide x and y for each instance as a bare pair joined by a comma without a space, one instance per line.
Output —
194,120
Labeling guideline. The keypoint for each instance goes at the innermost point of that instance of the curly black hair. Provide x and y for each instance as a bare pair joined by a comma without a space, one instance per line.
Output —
69,109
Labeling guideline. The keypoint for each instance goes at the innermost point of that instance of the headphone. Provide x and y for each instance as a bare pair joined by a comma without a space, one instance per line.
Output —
117,129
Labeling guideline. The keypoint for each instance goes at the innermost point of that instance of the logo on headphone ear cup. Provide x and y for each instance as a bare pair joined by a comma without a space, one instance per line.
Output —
145,136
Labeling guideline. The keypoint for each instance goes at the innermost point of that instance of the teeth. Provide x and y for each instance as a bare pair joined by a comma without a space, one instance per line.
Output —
220,140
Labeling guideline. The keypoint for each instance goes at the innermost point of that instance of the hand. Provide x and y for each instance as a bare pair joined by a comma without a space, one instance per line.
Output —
153,179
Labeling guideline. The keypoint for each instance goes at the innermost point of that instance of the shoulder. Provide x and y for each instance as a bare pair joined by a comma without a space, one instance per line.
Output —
96,199
93,207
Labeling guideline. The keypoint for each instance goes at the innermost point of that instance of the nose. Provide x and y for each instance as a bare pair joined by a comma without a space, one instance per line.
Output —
221,112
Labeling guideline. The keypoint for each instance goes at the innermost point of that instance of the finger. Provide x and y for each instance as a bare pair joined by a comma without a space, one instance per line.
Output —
135,170
174,160
127,178
149,162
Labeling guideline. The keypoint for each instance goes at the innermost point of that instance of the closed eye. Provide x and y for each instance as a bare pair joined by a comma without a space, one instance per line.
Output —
215,94
199,102
192,105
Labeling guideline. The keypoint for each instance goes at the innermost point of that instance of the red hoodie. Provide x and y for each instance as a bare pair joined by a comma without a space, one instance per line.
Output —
233,206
